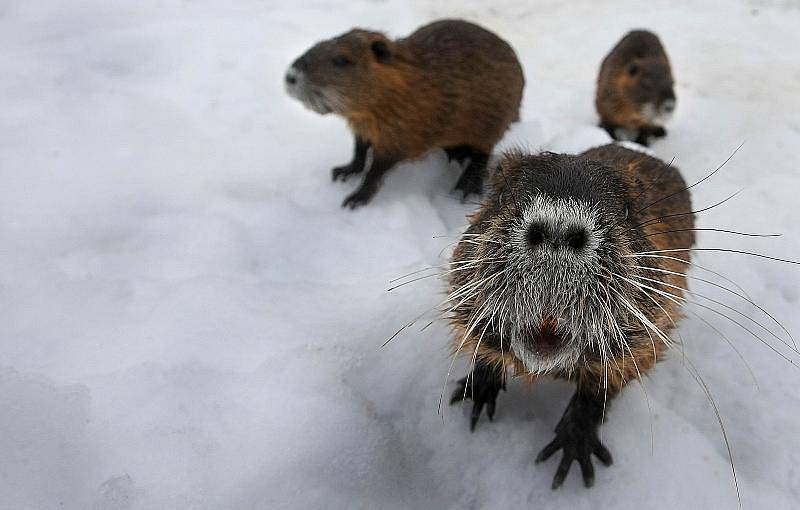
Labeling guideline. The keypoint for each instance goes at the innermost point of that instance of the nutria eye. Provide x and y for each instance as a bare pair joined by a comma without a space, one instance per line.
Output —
341,61
633,70
576,238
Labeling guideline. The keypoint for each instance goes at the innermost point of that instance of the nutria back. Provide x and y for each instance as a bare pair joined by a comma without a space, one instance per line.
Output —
635,86
450,83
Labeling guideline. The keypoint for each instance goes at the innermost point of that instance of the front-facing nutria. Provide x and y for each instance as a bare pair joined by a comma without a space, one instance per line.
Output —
573,267
635,95
451,85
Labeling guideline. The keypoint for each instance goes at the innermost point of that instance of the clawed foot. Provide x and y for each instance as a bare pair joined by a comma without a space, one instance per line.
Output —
482,387
359,197
342,173
646,133
576,435
468,186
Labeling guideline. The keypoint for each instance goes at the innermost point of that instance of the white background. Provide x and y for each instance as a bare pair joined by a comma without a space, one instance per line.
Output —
189,320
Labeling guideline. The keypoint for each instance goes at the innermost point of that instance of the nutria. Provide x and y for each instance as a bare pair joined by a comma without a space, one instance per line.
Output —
552,278
450,85
635,93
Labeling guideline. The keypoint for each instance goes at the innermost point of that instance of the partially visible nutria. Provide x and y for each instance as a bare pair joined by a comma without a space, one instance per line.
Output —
450,85
553,278
635,89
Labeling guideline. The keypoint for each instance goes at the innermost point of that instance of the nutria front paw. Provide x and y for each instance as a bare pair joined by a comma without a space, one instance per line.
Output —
342,173
359,197
482,387
578,443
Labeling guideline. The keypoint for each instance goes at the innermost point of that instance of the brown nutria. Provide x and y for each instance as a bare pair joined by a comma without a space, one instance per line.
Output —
450,85
635,93
553,277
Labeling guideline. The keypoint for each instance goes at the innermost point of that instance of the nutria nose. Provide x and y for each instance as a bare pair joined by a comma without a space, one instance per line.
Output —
536,235
291,77
668,106
573,236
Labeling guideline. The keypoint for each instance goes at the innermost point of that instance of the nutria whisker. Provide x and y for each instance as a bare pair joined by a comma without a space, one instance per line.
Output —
471,371
721,314
743,297
698,266
412,273
660,307
730,343
481,312
468,241
722,230
460,266
784,342
639,378
699,379
661,174
651,221
696,183
723,250
447,299
707,323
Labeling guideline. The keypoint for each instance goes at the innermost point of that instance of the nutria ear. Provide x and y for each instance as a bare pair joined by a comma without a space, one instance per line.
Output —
381,51
633,69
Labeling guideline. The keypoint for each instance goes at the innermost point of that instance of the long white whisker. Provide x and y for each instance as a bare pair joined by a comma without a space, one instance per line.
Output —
745,298
722,305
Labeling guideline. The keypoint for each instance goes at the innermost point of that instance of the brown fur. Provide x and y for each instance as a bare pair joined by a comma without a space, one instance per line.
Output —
450,85
635,72
647,180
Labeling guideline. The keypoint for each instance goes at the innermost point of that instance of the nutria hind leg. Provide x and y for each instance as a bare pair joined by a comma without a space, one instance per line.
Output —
648,132
471,180
623,134
356,166
658,132
611,129
458,153
576,435
371,182
482,386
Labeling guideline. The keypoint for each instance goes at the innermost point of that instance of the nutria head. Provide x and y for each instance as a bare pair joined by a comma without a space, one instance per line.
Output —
546,257
645,77
339,75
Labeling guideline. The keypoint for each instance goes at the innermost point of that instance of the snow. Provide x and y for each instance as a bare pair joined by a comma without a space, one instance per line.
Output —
191,321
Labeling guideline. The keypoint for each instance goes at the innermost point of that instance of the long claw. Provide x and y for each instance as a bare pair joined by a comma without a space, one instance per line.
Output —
548,451
490,409
603,454
562,471
477,407
482,388
587,470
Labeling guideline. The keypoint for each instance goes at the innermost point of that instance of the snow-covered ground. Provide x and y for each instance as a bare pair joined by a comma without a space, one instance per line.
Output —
189,320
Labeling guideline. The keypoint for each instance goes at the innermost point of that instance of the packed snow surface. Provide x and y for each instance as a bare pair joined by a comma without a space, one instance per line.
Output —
190,320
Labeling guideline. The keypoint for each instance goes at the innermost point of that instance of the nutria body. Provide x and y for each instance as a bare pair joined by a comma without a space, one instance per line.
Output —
450,85
553,278
635,93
